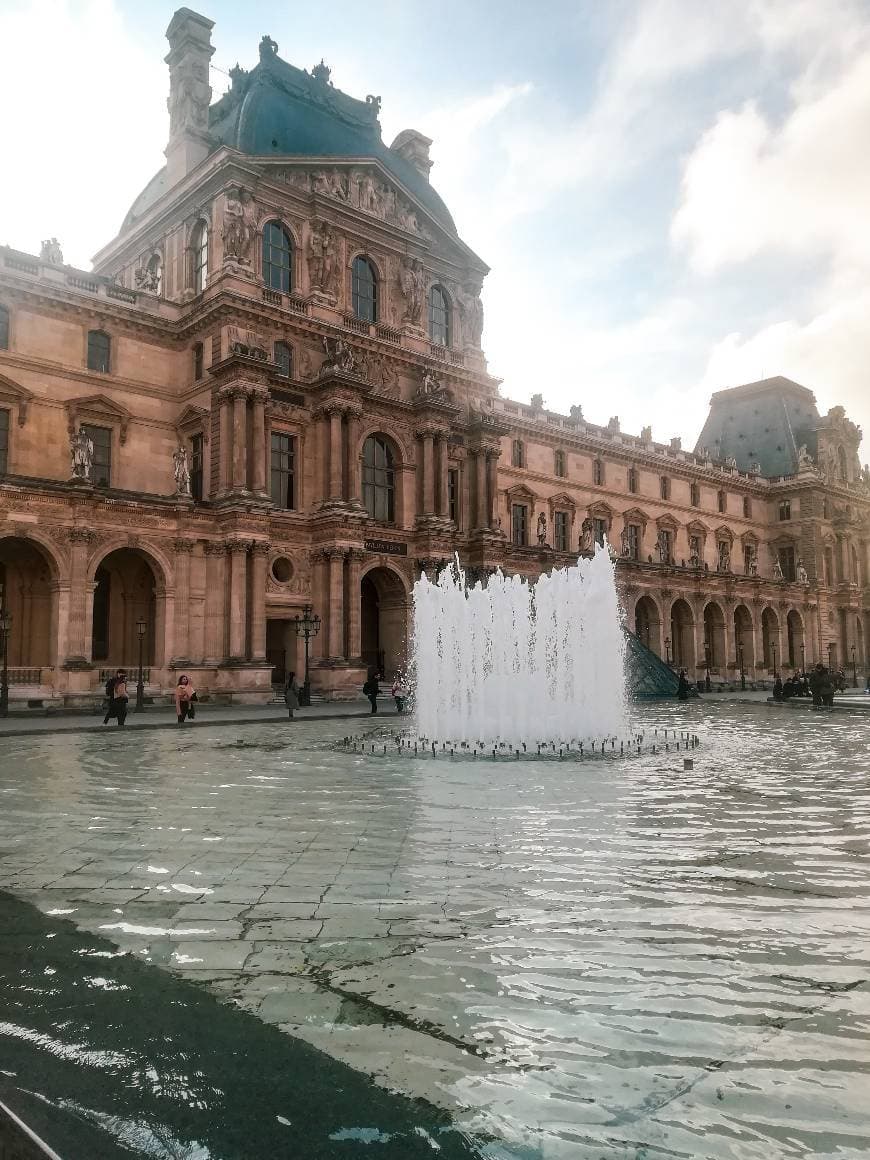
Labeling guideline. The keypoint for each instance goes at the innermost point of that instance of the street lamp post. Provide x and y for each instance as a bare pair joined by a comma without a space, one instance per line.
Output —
667,650
707,666
141,629
307,626
5,629
742,666
773,650
803,658
854,670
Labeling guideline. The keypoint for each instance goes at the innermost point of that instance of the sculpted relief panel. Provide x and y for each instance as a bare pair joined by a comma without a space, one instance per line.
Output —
362,188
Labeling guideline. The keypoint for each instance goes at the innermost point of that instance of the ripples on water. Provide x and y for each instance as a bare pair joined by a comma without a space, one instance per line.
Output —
649,962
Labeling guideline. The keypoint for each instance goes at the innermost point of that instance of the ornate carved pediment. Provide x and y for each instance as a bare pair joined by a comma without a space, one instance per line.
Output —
749,539
601,511
192,420
667,521
18,396
636,515
519,493
724,533
697,528
99,408
562,502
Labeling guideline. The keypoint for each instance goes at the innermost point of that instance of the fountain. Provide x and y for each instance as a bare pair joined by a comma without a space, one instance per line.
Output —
520,665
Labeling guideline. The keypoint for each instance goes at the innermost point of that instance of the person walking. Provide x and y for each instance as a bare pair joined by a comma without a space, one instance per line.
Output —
816,685
110,696
185,699
120,698
683,686
828,688
291,695
371,690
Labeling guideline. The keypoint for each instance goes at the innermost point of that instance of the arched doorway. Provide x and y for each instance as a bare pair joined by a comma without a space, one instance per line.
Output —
714,637
794,626
770,640
383,621
744,639
125,592
648,624
682,636
28,594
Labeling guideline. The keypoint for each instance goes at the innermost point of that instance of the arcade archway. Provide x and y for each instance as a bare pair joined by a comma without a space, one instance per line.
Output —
383,621
28,591
125,592
682,636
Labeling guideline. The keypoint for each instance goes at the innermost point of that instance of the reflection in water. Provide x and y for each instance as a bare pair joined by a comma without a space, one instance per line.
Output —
641,961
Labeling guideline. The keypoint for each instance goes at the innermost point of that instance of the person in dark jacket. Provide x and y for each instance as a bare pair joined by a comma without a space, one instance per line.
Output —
683,686
113,704
371,690
777,689
291,695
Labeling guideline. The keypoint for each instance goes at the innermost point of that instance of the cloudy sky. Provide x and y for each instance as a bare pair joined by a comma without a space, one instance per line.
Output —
674,195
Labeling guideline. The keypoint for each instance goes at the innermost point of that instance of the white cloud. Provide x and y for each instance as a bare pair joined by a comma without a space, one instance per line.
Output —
84,137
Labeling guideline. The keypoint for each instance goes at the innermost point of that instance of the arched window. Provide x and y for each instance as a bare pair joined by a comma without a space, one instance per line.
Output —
199,248
99,351
283,358
277,258
378,479
4,328
364,290
439,316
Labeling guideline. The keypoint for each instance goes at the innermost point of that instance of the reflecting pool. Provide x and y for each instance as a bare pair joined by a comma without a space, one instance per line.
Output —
617,959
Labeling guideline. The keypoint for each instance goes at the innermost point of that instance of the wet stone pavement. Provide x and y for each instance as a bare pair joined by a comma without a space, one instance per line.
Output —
608,960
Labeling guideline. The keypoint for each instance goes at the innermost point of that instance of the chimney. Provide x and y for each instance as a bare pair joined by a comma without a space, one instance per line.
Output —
414,147
190,50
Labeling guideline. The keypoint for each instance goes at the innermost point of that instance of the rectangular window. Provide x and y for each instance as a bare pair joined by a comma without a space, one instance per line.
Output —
747,508
722,501
600,530
197,361
633,480
665,487
695,495
748,557
520,524
453,494
283,467
560,532
559,464
4,442
101,468
99,351
518,457
787,563
785,509
633,542
196,463
598,472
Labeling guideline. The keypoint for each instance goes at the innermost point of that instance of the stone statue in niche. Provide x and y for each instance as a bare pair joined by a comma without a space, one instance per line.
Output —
181,470
412,282
248,343
471,314
777,569
755,468
322,264
731,463
724,557
238,226
339,356
753,562
542,530
148,277
802,576
81,449
624,544
407,219
587,536
50,251
429,384
804,458
330,183
662,550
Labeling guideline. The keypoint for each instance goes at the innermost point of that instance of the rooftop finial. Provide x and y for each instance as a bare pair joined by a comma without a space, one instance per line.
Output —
268,49
322,72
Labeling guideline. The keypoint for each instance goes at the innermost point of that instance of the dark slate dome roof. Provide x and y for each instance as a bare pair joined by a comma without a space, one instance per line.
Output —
279,110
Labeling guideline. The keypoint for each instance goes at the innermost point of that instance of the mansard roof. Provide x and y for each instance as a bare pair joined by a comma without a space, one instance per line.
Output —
764,422
278,110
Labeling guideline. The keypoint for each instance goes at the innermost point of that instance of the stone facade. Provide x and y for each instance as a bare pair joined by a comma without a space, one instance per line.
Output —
305,326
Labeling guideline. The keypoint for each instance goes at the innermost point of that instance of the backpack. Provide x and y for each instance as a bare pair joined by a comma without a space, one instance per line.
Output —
110,688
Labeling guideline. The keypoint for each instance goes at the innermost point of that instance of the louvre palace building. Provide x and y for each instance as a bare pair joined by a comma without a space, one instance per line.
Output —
270,394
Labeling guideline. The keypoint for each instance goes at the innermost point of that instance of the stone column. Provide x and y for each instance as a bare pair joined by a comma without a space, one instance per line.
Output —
260,555
258,450
225,458
427,440
80,614
335,559
491,463
480,516
238,598
181,636
215,588
354,487
441,468
240,458
335,457
354,638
